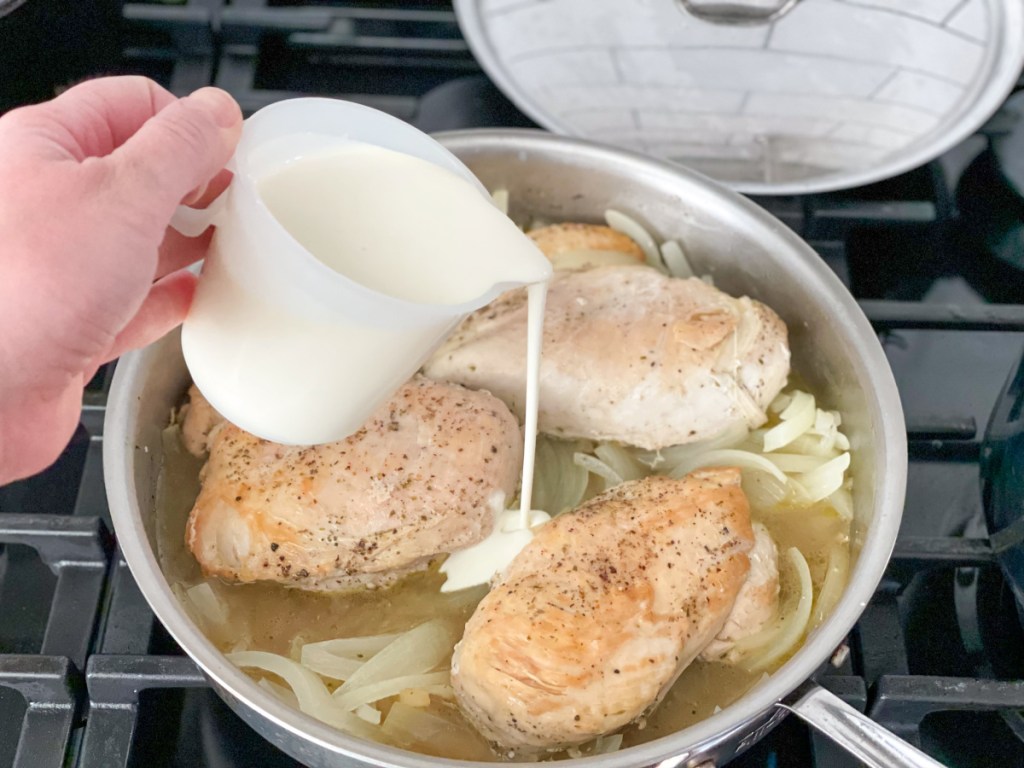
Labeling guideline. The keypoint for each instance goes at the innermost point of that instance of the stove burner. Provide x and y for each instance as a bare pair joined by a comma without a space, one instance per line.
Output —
89,679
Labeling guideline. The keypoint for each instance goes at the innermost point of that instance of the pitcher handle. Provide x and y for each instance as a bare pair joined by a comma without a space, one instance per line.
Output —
737,13
192,222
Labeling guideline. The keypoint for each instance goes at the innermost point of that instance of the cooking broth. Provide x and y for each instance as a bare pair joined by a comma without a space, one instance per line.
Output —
273,618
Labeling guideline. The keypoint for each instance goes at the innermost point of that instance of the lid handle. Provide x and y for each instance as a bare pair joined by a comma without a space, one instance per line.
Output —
737,14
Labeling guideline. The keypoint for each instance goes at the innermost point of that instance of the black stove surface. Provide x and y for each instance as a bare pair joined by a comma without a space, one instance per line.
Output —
89,679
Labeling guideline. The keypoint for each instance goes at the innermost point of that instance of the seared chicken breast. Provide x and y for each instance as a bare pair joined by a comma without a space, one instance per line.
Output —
756,604
629,354
599,614
579,246
424,476
198,418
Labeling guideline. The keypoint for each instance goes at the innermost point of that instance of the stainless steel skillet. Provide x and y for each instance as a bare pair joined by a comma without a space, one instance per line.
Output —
747,251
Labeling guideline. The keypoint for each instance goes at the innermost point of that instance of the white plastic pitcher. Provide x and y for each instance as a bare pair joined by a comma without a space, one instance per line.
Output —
274,335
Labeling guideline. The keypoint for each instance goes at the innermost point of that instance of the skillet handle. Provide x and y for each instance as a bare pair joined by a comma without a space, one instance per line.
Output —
855,732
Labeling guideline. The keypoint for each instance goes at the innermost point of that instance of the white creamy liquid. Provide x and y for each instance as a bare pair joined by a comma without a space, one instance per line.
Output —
537,297
301,371
513,529
478,564
399,225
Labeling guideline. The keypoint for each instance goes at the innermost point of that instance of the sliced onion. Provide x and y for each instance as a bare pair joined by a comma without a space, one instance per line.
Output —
826,479
836,576
781,402
823,422
419,650
605,745
327,664
675,260
730,437
441,691
754,438
842,503
283,693
827,442
407,726
209,605
368,714
415,697
596,466
764,491
558,482
310,691
812,445
795,462
359,648
728,458
780,639
632,229
798,404
620,460
650,459
797,418
198,617
383,689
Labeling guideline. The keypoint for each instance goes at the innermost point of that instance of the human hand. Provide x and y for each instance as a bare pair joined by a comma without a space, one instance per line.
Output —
88,267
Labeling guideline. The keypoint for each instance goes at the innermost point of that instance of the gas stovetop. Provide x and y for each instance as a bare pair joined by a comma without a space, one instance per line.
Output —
88,678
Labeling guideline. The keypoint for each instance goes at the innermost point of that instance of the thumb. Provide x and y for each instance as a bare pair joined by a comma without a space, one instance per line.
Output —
180,148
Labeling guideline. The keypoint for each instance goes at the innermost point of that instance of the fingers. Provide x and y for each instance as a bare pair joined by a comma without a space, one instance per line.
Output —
177,151
205,194
164,308
92,119
177,251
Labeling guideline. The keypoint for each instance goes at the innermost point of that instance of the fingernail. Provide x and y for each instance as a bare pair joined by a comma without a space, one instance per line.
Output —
195,195
225,110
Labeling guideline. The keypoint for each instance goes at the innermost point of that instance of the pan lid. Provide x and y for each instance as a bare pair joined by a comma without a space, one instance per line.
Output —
768,96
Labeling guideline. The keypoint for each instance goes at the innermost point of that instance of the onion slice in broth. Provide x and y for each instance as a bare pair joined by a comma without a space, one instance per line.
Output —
764,648
632,229
309,690
419,650
727,457
392,686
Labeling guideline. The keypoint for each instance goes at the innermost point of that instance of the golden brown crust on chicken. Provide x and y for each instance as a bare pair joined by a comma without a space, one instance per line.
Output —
600,613
422,477
576,246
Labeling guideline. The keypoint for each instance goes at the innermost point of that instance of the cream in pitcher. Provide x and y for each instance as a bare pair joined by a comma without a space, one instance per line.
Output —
341,258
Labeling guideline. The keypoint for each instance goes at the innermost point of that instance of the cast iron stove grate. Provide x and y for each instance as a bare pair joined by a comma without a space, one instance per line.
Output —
89,679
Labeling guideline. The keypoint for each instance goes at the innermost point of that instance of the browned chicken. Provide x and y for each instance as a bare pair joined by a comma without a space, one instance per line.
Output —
756,604
424,476
198,418
630,355
579,246
599,614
